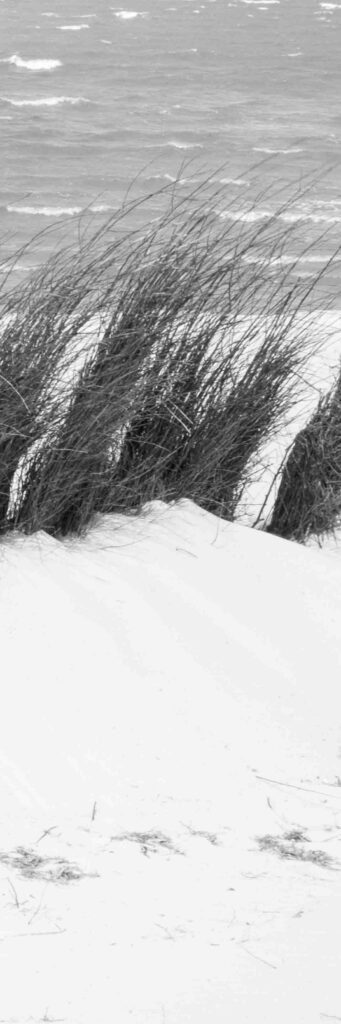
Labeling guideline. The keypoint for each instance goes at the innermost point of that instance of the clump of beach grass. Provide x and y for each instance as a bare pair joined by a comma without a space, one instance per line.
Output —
308,502
290,847
190,365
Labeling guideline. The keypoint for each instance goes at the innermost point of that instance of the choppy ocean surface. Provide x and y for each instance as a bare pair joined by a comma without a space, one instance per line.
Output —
94,96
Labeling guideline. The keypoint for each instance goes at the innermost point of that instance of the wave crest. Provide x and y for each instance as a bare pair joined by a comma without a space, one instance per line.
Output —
48,101
127,15
58,211
289,217
45,211
71,28
265,149
32,65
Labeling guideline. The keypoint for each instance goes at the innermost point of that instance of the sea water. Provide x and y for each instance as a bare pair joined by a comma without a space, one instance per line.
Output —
96,99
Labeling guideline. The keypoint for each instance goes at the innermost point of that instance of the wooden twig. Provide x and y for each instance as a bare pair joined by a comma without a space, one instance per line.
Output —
291,785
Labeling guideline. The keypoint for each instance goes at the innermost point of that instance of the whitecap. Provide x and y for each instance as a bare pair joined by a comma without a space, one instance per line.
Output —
58,211
326,258
31,65
234,181
45,211
102,208
174,179
128,15
48,101
246,216
183,145
315,218
263,149
272,262
327,202
162,177
49,14
20,268
289,217
289,260
71,28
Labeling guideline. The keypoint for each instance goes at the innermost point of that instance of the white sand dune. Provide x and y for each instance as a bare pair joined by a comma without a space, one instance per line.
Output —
170,807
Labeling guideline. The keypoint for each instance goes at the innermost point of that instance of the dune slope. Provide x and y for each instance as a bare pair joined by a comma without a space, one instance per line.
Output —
170,744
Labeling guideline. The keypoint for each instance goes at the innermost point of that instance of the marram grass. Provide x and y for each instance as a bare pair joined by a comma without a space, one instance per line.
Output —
195,362
308,502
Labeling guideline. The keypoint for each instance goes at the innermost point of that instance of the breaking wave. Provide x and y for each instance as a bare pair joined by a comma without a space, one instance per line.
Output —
128,15
58,211
71,28
48,101
32,65
45,211
289,217
263,149
179,145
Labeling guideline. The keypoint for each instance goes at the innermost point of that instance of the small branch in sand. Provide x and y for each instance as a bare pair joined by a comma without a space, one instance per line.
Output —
46,833
255,957
29,935
291,785
15,894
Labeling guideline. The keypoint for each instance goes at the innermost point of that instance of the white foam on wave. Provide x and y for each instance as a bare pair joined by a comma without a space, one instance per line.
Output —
173,178
163,177
327,202
49,14
275,261
315,218
288,260
102,208
320,258
246,216
58,211
31,65
174,143
20,268
260,3
128,15
289,217
45,211
183,145
234,181
47,101
265,149
331,7
71,28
